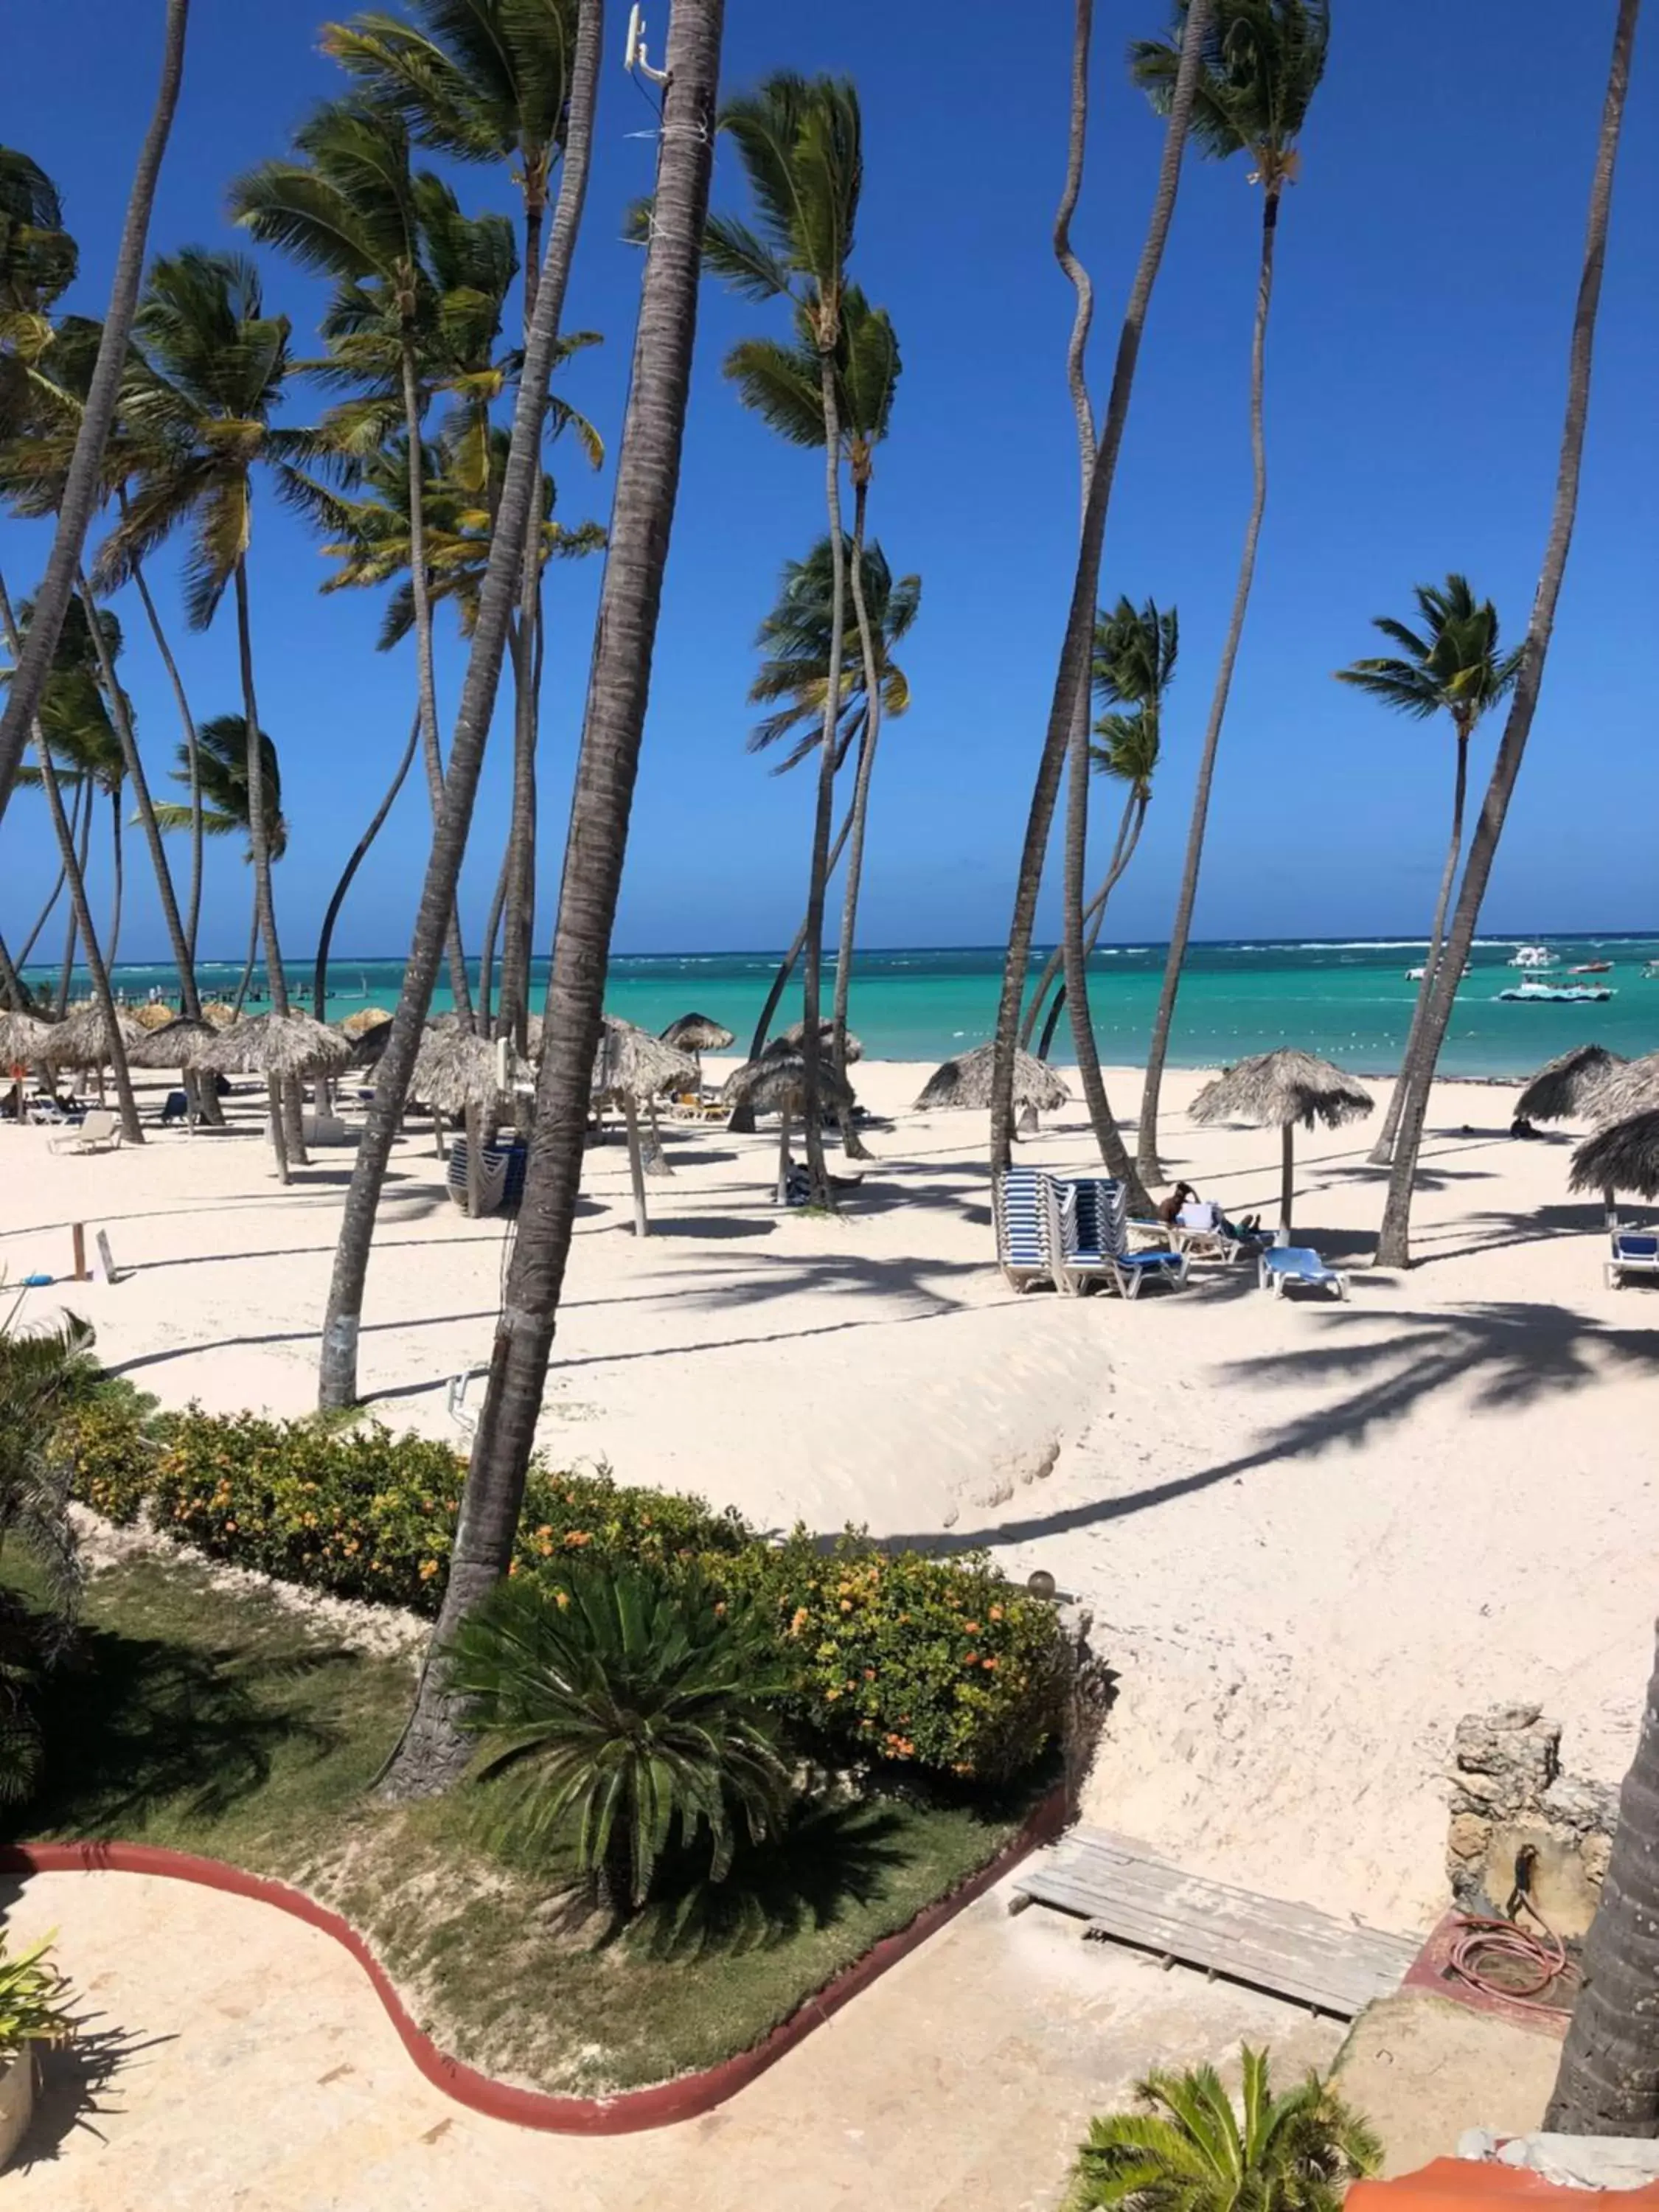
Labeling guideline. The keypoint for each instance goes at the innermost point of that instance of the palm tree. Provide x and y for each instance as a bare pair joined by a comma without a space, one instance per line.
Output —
488,81
782,384
793,679
1073,675
80,489
514,514
1188,2150
1262,61
210,369
434,1748
80,734
221,804
1609,2080
1452,667
800,141
1393,1242
1136,654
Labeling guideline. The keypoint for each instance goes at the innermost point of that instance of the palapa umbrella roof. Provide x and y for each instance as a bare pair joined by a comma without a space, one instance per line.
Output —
277,1045
82,1038
630,1063
1625,1156
1276,1089
219,1013
365,1019
697,1033
154,1016
1623,1092
1568,1086
455,1069
23,1036
966,1081
180,1044
776,1083
797,1031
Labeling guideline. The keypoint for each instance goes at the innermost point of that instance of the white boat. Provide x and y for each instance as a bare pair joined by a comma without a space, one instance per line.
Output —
1416,975
1534,956
1650,973
1559,995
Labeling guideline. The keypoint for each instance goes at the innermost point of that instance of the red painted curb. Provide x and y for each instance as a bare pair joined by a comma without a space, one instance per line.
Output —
631,2110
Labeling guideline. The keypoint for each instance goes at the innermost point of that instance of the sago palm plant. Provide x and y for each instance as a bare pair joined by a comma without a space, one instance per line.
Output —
621,1711
1190,2150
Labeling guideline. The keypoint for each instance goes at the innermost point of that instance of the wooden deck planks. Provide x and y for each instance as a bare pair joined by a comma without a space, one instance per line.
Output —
1128,1893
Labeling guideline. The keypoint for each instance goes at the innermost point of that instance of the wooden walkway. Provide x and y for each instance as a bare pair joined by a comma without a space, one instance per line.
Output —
1126,1893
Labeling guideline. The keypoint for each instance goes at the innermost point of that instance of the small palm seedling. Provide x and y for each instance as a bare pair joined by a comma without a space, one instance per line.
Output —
622,1710
1188,2150
34,2000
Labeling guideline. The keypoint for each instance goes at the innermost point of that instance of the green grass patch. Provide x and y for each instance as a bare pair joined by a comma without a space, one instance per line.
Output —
226,1725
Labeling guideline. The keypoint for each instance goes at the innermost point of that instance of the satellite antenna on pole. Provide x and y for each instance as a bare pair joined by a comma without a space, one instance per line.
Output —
637,57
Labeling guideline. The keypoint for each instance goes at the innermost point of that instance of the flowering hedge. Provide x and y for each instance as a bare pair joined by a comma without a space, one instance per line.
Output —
900,1657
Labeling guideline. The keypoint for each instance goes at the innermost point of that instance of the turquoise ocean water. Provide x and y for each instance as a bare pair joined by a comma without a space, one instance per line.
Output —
1348,1000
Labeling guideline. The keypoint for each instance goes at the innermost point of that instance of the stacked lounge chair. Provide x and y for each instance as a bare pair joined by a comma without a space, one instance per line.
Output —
1019,1206
500,1176
1634,1252
1088,1231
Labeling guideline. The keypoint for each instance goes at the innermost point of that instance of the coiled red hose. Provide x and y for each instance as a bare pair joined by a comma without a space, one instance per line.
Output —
1540,1960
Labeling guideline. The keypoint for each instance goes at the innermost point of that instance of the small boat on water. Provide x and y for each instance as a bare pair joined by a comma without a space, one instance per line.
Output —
1650,973
1416,975
1559,995
1592,968
1534,956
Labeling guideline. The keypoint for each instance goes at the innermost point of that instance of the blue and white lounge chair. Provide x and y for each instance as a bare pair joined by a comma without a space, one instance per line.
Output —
1296,1263
1020,1208
1635,1252
1089,1233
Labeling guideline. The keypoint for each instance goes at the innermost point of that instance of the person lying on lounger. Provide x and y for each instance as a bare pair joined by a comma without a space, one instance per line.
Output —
1185,1209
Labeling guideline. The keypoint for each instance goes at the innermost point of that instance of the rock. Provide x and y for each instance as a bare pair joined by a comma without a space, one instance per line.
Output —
1469,1837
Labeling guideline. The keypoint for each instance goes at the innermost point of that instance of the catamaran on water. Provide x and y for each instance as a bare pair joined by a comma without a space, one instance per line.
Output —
1534,956
1559,995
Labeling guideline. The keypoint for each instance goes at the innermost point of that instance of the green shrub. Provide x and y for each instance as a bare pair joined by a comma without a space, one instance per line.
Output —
623,1708
905,1658
35,2005
109,1447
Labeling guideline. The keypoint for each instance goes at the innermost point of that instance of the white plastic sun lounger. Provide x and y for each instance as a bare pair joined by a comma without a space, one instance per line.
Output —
1635,1252
1297,1263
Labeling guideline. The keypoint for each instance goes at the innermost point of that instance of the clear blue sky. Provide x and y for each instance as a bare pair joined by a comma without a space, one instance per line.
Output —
1427,263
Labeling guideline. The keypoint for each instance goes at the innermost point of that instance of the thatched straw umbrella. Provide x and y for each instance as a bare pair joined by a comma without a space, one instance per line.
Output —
630,1069
797,1031
697,1034
219,1013
776,1084
966,1081
1568,1085
365,1019
1625,1092
82,1038
156,1015
22,1038
180,1043
1620,1155
1277,1090
282,1048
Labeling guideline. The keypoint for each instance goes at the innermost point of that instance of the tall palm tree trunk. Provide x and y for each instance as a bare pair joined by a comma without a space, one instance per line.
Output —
193,758
1072,676
1382,1151
1128,837
1609,2080
518,927
858,816
1158,1052
16,990
118,865
337,1368
40,922
359,854
80,827
434,1750
246,976
289,1140
83,479
115,700
817,881
787,966
1393,1243
74,874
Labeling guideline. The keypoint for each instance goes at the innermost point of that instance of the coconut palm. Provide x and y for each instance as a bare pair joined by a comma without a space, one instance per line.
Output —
348,210
1135,663
792,677
80,735
1072,676
1451,666
38,263
221,805
516,511
782,384
642,525
1393,1242
1262,64
210,369
799,140
488,81
81,489
1188,2150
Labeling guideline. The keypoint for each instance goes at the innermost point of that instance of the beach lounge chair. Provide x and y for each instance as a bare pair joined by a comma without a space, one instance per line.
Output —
1020,1208
99,1132
1296,1263
175,1107
1089,1231
1635,1252
501,1180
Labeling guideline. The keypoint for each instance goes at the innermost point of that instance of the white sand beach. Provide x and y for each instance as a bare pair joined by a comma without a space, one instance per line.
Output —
1313,1535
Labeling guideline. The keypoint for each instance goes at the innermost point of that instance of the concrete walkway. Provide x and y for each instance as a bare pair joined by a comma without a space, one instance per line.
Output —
239,2061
